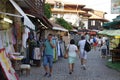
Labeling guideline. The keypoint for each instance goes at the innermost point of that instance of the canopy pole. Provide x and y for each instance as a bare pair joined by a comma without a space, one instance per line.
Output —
15,15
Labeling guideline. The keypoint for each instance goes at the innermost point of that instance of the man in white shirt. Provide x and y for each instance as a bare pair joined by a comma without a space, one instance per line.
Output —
83,54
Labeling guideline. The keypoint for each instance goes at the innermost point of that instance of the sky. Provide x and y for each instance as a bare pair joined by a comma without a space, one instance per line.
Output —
102,5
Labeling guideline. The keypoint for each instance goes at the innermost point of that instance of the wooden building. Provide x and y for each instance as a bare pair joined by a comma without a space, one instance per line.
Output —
96,20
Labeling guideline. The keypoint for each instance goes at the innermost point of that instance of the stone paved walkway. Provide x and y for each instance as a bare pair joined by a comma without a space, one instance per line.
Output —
96,70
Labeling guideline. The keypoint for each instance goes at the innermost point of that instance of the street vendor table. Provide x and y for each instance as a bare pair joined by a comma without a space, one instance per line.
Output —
16,62
115,54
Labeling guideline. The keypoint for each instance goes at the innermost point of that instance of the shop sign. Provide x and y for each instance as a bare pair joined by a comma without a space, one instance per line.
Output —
115,6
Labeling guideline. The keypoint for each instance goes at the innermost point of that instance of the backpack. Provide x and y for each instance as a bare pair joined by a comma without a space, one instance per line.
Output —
94,40
87,46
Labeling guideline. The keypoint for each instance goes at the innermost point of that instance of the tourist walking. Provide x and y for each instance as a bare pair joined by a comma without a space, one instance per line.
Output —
87,36
91,41
72,54
48,55
99,42
103,50
83,55
95,42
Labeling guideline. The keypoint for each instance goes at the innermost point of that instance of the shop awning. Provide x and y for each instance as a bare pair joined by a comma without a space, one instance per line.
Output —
40,23
46,22
117,37
33,11
57,27
109,25
105,32
27,21
117,18
115,33
74,30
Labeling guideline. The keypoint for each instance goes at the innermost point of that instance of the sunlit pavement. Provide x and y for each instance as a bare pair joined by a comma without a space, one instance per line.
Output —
96,70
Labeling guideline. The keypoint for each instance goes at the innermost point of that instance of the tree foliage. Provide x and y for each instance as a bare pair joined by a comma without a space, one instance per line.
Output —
63,23
47,10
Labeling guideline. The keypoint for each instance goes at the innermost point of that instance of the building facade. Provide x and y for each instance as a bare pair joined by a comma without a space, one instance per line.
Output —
75,14
96,20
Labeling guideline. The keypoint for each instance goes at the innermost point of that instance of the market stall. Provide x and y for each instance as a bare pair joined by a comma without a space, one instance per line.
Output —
114,36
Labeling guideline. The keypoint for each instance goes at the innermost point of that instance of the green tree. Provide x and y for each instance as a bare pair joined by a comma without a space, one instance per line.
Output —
63,23
47,10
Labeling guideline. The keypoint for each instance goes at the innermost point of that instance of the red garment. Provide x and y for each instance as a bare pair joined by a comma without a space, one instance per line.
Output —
95,44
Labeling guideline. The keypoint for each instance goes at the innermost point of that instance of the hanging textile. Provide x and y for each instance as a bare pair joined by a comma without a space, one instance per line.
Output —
7,67
24,39
37,54
6,41
14,35
62,47
11,41
55,56
24,48
58,48
1,39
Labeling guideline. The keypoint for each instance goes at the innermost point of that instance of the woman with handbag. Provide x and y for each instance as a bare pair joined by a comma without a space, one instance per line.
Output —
72,54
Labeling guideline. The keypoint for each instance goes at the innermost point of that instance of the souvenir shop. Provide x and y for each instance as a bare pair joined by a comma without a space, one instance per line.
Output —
10,42
17,47
19,43
12,37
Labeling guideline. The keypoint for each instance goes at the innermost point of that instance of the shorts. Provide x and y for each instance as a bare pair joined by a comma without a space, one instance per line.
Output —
83,54
95,44
71,59
48,59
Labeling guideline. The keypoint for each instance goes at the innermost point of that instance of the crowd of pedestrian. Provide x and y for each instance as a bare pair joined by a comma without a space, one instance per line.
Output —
96,42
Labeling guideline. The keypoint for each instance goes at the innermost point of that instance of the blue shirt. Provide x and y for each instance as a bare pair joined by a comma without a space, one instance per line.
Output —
48,48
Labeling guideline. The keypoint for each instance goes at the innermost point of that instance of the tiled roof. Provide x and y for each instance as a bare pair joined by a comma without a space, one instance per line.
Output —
98,16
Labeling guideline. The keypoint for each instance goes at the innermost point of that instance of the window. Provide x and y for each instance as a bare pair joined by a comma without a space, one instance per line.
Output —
101,23
93,23
54,15
59,5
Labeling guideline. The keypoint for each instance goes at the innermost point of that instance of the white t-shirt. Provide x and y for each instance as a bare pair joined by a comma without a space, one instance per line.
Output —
91,41
81,44
103,39
99,41
72,50
104,46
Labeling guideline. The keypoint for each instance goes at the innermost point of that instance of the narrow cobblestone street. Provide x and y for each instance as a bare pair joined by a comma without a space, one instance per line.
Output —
96,70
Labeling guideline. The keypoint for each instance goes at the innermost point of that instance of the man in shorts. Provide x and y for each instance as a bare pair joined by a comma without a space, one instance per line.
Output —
83,54
48,55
